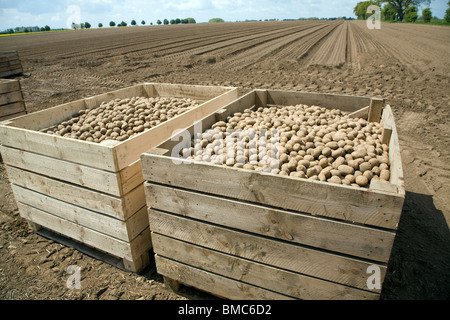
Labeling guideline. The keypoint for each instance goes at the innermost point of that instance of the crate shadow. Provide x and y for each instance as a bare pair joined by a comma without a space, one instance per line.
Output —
419,267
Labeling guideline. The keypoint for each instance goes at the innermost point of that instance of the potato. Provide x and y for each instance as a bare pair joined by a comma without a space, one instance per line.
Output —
121,119
307,142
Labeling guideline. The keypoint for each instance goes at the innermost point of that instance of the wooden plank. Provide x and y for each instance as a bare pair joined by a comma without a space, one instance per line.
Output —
87,153
9,85
305,229
84,197
49,117
13,116
8,55
375,110
11,73
10,65
10,97
293,257
361,113
314,197
213,283
12,108
395,160
253,273
90,219
9,59
130,150
131,177
119,208
75,231
196,92
329,101
84,176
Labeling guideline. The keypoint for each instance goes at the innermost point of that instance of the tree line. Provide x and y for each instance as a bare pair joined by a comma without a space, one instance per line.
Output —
398,10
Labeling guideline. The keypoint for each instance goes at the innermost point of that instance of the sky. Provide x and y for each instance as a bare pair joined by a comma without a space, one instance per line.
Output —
60,14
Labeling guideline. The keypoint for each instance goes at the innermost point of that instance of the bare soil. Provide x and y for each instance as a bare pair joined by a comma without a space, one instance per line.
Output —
406,64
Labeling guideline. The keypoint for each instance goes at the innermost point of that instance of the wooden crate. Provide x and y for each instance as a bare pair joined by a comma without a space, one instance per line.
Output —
10,64
93,192
242,234
11,99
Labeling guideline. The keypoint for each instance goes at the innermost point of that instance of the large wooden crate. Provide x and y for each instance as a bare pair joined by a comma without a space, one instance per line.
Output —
242,234
10,64
93,192
11,99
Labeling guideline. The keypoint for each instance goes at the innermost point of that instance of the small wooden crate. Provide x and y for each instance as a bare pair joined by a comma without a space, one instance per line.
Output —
93,192
10,64
242,234
11,99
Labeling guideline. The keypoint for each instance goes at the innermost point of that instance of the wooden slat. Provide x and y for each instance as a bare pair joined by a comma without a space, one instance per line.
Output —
375,110
308,261
9,85
329,101
13,116
93,220
10,66
12,108
49,117
88,177
305,229
361,113
120,208
213,283
10,97
113,246
253,273
11,73
5,55
315,197
88,153
395,160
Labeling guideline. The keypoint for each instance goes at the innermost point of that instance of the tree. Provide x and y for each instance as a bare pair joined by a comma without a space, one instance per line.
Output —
411,14
166,21
87,25
360,9
100,25
388,13
214,20
400,6
191,20
112,23
177,21
47,28
158,22
172,21
447,14
143,22
426,15
122,24
133,22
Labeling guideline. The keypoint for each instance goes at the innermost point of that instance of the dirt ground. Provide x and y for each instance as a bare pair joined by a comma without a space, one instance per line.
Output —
408,65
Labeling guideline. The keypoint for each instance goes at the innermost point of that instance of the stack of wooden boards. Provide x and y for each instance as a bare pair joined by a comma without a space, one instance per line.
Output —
242,234
10,64
93,192
11,99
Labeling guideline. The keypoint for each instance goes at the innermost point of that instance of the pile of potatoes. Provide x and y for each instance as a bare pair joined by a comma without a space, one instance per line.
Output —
298,141
121,119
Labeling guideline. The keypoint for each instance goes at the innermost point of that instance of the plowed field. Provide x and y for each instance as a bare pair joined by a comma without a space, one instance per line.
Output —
409,65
